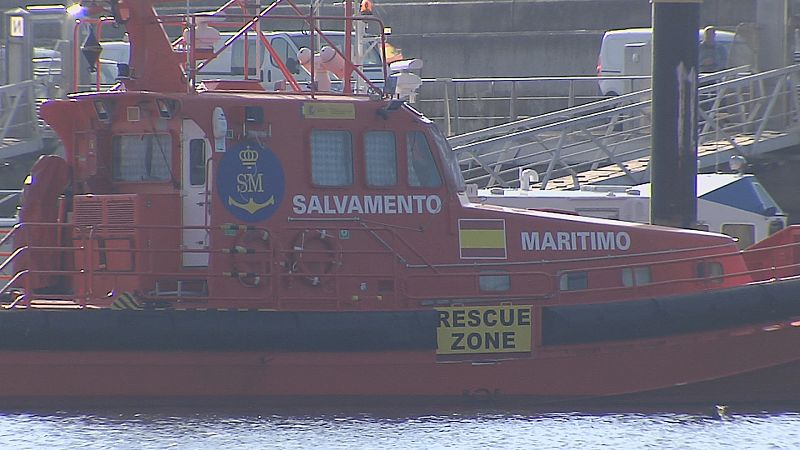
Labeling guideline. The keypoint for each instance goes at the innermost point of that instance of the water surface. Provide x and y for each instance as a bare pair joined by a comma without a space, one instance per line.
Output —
370,428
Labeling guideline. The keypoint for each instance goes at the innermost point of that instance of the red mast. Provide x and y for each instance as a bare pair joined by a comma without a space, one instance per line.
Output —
154,65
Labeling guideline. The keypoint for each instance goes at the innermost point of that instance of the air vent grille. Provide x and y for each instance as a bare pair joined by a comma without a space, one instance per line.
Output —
120,214
107,214
88,213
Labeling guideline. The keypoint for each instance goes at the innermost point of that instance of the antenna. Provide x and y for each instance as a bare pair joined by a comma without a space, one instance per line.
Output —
402,83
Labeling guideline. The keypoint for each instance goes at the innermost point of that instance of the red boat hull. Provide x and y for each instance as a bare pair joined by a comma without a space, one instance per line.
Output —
749,364
229,243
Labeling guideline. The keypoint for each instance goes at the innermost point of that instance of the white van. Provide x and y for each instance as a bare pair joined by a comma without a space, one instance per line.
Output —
628,53
47,71
230,63
118,51
286,44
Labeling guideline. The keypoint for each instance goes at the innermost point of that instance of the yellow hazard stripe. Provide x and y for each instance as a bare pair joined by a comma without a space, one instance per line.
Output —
125,301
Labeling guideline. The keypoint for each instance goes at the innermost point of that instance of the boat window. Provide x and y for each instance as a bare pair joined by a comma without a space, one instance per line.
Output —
380,158
422,169
447,154
197,162
775,226
331,158
745,233
574,281
712,270
145,157
494,281
635,276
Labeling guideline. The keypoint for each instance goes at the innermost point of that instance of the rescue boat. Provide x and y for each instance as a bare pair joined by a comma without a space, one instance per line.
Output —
219,240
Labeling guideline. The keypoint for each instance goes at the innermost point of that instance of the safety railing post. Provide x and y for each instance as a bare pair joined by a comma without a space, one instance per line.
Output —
571,94
27,113
446,101
512,113
767,114
456,109
90,265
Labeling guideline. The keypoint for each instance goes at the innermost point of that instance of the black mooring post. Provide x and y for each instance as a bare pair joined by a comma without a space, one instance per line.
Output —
673,164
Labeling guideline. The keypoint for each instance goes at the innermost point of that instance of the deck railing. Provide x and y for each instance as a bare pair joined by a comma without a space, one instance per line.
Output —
414,282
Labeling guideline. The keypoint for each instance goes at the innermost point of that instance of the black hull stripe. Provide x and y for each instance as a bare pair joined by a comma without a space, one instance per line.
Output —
214,330
665,316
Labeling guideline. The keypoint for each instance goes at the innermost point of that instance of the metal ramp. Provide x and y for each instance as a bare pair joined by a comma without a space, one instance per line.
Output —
6,224
20,130
609,140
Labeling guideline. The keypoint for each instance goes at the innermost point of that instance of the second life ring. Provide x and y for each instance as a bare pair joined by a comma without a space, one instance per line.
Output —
250,256
314,254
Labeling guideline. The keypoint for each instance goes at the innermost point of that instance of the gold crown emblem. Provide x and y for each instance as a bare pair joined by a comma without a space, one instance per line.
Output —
248,157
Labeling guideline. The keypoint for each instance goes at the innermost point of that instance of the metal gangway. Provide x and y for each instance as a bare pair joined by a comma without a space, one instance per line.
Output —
21,131
609,141
6,225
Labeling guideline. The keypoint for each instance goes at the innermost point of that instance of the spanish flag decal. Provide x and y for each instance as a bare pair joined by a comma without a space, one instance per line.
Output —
482,238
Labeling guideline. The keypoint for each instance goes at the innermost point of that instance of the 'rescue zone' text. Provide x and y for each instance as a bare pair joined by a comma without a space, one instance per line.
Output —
483,329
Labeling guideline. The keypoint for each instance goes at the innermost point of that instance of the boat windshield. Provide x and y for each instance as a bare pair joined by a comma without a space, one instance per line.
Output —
766,199
747,194
449,157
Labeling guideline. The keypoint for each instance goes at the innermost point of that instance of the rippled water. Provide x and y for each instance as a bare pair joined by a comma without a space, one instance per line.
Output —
392,428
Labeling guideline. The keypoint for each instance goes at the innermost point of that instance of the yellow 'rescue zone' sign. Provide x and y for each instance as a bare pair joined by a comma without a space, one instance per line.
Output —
483,329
